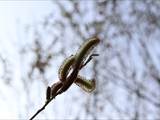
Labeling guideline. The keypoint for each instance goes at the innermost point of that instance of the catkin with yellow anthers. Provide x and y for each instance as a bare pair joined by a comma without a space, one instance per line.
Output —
85,84
79,57
85,49
65,68
76,62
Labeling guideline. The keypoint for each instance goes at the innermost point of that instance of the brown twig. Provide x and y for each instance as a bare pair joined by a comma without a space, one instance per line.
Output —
89,59
43,107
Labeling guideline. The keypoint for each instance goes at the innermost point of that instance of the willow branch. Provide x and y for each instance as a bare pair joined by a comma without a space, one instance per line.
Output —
79,57
43,107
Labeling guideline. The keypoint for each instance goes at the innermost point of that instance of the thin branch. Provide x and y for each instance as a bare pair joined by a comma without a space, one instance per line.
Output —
43,107
89,59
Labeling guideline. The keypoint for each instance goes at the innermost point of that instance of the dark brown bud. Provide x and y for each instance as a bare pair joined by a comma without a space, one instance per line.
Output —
55,87
48,93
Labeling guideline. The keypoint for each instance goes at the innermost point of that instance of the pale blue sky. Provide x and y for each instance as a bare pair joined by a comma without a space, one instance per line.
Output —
14,16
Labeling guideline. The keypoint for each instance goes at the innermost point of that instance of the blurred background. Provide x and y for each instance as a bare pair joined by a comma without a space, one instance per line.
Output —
35,38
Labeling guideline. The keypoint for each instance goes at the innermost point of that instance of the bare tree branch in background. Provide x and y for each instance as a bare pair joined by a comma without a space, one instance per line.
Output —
128,68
